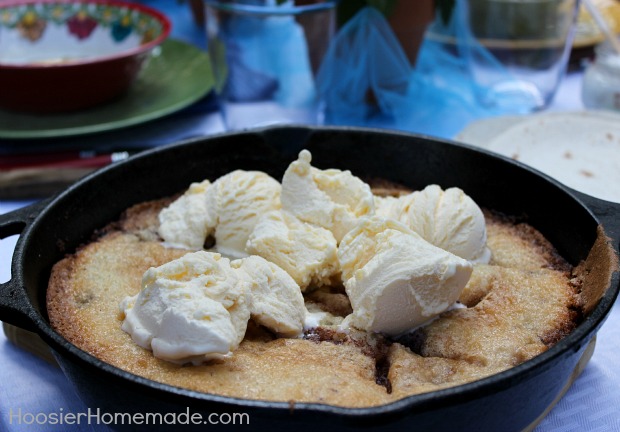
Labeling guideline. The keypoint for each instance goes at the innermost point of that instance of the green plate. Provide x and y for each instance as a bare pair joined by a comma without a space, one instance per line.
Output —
176,75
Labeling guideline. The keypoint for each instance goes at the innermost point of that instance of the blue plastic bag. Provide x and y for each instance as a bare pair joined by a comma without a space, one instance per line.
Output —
367,80
365,72
442,92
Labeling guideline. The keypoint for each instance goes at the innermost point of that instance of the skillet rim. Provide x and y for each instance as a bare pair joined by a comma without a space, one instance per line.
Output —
570,344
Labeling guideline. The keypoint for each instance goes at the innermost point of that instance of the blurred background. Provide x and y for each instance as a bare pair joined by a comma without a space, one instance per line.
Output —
433,67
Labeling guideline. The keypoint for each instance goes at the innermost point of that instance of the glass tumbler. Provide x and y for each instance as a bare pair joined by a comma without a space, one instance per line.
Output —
517,50
265,55
601,80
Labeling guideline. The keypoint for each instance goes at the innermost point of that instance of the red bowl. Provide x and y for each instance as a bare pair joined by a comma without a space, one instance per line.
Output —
66,55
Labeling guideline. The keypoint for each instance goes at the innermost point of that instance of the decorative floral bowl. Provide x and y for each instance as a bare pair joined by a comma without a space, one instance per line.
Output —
66,55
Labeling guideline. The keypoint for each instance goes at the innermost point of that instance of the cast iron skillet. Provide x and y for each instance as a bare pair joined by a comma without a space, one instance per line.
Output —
511,400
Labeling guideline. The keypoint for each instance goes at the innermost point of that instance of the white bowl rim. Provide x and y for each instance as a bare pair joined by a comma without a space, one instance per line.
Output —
163,19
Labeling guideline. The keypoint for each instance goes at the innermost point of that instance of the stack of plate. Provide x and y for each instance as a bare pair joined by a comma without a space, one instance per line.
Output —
579,149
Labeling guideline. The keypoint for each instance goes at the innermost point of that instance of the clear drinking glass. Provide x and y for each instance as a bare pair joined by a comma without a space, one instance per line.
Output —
525,48
265,56
601,80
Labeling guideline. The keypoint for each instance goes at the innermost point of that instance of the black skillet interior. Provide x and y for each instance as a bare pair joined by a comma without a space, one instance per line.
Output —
414,161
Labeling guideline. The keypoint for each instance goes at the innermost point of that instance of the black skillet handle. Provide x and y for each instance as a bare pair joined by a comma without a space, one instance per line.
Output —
14,305
607,212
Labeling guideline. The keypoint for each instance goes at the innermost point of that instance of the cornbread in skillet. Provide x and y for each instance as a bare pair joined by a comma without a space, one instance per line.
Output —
518,305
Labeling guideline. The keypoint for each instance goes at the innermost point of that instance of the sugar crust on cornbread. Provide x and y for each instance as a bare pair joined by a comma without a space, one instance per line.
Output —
518,305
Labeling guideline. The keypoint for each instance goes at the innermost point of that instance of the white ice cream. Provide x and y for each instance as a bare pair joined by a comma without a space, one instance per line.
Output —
306,252
448,219
189,310
388,207
276,301
316,317
186,222
402,260
236,201
396,280
332,199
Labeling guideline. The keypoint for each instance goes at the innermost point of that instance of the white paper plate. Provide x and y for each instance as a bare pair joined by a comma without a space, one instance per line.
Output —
579,149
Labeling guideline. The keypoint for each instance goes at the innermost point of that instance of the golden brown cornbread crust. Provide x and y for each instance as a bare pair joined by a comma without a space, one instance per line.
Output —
518,306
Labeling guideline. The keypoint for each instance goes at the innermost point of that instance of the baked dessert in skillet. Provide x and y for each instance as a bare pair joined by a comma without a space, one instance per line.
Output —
240,288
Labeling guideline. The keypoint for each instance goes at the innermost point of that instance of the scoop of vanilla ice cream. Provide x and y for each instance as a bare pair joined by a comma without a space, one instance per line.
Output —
189,310
186,222
396,280
448,219
236,201
332,199
306,252
389,207
276,301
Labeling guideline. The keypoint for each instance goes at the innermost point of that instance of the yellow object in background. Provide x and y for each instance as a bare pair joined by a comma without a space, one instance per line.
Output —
588,32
